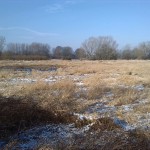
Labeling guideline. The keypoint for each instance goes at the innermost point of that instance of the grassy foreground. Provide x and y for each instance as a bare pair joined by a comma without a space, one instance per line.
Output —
43,92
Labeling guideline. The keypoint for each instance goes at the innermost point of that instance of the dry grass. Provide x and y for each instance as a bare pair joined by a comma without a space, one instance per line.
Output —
123,96
9,74
105,136
23,105
97,91
57,96
145,108
37,103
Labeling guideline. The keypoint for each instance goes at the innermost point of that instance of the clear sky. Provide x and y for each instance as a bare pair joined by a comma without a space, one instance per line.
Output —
70,22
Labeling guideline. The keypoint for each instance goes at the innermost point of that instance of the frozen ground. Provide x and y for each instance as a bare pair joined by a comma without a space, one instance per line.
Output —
52,134
56,133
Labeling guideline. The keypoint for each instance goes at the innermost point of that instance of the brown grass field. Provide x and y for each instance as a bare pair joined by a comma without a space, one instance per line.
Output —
37,93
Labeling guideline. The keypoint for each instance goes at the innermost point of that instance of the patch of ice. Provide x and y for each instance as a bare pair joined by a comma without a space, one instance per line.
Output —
139,87
123,124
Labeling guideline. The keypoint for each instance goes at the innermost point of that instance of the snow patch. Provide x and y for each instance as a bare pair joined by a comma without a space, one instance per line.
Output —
101,108
25,80
50,80
53,134
127,107
139,87
123,124
79,83
83,117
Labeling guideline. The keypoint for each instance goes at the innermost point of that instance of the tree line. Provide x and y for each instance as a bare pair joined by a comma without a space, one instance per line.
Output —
94,48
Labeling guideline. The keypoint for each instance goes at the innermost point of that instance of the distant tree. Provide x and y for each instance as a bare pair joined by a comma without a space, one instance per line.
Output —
27,51
90,45
67,53
107,48
15,48
80,53
2,44
103,47
119,54
127,52
58,52
143,50
137,53
40,49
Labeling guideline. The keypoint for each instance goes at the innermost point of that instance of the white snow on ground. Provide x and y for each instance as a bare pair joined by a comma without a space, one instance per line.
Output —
123,124
55,133
77,79
101,109
83,116
143,101
24,80
127,108
50,80
52,134
139,87
79,83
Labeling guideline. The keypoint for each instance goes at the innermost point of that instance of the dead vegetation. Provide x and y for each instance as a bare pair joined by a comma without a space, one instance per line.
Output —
25,105
38,103
105,136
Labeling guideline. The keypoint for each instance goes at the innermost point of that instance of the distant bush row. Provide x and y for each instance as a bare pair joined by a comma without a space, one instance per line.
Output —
94,48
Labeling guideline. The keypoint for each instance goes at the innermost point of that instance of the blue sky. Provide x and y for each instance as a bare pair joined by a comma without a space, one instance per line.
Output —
70,22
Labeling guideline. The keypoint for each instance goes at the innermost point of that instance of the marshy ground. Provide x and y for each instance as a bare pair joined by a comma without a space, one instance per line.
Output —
60,104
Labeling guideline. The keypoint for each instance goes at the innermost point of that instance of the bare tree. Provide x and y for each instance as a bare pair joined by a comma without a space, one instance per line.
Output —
103,47
90,45
107,48
80,53
58,52
127,52
27,51
143,50
67,53
2,44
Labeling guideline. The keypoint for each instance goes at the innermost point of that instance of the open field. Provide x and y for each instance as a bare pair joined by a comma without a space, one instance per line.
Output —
60,104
